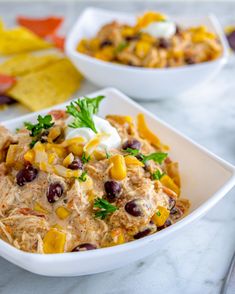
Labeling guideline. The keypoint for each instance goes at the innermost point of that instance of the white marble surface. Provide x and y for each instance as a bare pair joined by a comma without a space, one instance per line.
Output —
197,260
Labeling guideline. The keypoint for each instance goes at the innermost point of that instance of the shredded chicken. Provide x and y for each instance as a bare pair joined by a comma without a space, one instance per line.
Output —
46,212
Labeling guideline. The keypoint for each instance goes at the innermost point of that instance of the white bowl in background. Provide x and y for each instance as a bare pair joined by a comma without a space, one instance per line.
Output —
141,83
205,180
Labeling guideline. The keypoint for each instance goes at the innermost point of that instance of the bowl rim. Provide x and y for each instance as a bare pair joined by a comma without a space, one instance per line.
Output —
9,250
70,47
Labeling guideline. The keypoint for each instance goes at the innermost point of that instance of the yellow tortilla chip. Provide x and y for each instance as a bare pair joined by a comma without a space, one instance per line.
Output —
1,25
25,63
47,87
19,40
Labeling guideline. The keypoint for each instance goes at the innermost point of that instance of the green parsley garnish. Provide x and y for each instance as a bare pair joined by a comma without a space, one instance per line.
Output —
37,129
158,157
158,213
31,145
121,46
105,208
131,151
43,124
84,158
83,177
82,110
157,175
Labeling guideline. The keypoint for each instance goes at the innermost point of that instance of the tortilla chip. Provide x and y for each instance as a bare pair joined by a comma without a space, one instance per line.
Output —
19,40
47,87
1,25
6,82
42,27
25,63
58,41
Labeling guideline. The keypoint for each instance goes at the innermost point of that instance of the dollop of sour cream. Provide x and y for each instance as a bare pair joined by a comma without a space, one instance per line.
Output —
160,29
113,139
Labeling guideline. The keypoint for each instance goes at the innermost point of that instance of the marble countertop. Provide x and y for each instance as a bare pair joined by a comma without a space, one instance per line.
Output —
198,259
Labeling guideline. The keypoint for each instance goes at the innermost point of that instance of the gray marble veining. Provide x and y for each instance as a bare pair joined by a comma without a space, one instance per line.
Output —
198,259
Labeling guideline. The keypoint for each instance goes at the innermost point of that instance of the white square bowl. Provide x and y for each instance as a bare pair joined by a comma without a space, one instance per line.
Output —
141,83
205,180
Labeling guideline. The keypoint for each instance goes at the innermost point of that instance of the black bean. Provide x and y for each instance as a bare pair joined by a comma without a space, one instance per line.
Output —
106,43
142,234
231,40
132,38
55,191
5,99
132,143
164,43
176,213
26,175
84,247
167,224
112,190
189,60
132,207
76,164
171,203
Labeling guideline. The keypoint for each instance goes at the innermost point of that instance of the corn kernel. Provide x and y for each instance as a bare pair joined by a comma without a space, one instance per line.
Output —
11,154
91,196
118,169
39,208
117,236
132,160
142,49
29,156
106,54
94,44
54,133
54,241
56,148
169,183
99,155
160,217
62,212
68,159
51,158
76,149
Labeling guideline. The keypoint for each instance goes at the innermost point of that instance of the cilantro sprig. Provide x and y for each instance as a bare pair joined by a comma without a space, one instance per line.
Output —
158,157
82,110
157,175
121,46
131,151
83,177
36,130
105,208
42,124
84,158
158,213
